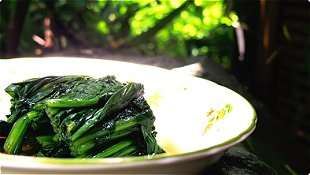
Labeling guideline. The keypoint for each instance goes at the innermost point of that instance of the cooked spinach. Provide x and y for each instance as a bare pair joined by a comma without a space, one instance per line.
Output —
78,116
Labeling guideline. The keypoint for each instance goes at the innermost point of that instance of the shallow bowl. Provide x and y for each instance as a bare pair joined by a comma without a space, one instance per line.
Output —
196,120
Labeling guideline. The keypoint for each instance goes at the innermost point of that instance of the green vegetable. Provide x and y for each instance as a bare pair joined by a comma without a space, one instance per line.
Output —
114,149
14,141
117,101
79,116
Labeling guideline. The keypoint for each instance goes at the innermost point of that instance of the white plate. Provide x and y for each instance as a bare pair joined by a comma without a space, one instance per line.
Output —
181,105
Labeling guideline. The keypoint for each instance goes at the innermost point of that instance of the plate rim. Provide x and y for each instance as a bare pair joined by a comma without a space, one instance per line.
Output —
73,162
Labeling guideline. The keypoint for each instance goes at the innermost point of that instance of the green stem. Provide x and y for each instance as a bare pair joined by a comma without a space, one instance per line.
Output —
32,115
130,150
13,117
122,128
15,140
114,149
117,101
45,140
76,102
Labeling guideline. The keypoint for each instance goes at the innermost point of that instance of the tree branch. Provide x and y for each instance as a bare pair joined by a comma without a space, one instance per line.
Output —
158,26
16,27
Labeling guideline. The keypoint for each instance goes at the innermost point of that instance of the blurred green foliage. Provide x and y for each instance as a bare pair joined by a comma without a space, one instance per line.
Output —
176,28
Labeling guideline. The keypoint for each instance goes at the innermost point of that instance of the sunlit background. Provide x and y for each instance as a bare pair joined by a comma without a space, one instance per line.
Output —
175,28
258,48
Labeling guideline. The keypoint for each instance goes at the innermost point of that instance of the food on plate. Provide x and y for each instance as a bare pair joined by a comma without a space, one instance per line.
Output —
78,116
